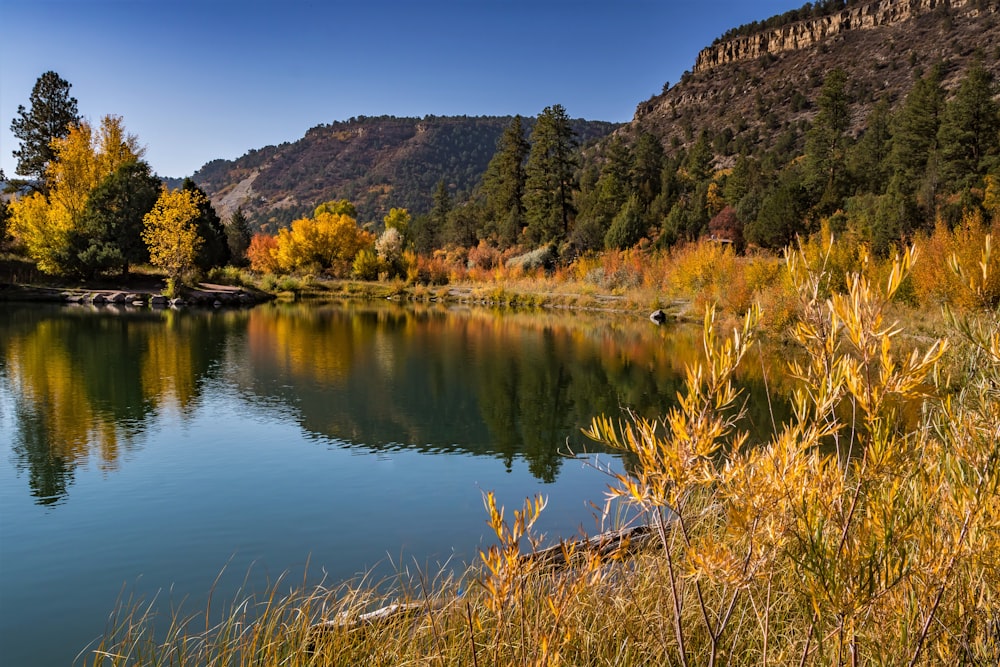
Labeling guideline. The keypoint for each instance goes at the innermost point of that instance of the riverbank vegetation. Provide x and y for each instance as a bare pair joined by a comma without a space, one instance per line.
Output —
865,530
856,534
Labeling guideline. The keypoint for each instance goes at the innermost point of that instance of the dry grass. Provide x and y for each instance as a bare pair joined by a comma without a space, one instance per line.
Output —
856,535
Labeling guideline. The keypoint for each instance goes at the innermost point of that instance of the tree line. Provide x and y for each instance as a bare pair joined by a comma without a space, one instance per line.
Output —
90,204
93,206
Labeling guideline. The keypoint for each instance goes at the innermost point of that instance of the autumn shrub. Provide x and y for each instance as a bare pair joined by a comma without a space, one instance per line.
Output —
367,265
483,256
700,269
539,259
936,283
262,254
430,270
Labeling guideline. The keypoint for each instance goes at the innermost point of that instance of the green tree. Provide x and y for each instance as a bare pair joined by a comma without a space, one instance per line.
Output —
826,144
627,227
214,249
914,135
503,184
337,207
646,169
868,159
238,236
779,219
53,111
4,222
700,159
109,236
400,220
550,176
969,135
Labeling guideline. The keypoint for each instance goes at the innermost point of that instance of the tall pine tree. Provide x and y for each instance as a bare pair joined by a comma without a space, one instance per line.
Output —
503,184
52,113
550,176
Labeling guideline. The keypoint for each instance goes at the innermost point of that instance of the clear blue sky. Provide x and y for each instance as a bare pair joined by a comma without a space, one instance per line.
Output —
197,80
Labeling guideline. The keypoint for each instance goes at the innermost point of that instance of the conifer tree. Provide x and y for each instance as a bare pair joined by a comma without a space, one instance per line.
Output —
969,136
503,184
868,159
550,176
914,135
238,236
52,113
109,236
826,143
214,248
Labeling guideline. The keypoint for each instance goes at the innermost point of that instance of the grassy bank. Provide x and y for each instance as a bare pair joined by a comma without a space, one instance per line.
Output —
855,535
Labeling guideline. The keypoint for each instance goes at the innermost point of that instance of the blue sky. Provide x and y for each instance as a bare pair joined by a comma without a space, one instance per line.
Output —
206,79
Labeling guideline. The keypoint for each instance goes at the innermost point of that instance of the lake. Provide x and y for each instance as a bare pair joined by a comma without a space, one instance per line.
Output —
161,453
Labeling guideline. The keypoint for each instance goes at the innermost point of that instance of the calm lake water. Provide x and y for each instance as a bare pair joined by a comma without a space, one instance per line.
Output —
148,451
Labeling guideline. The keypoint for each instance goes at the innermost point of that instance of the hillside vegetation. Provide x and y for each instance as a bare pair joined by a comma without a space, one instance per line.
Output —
378,163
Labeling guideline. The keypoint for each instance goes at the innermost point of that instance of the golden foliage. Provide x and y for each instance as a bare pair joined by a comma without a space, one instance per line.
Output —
43,224
170,231
328,242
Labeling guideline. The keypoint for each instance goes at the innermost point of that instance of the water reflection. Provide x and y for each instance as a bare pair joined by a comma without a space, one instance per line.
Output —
86,382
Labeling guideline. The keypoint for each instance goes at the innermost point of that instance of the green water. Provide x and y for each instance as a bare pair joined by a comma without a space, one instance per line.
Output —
152,450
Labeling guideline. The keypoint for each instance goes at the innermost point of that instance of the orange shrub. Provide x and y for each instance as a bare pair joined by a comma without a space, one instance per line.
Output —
262,253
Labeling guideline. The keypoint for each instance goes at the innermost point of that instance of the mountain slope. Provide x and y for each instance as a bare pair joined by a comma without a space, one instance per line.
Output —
377,163
756,91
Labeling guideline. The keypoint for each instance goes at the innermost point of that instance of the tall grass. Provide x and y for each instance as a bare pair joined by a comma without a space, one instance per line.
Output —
855,535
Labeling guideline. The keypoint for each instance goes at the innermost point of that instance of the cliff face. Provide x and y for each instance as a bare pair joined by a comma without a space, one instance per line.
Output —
808,33
759,92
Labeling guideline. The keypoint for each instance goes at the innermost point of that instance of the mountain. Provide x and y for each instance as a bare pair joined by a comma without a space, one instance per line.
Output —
755,88
375,162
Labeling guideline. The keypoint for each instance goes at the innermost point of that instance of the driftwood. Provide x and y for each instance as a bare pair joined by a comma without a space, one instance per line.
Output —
614,544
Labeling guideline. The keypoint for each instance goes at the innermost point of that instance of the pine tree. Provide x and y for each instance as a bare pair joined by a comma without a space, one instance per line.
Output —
503,184
238,236
914,135
109,236
52,113
826,143
868,159
969,136
646,169
550,176
214,249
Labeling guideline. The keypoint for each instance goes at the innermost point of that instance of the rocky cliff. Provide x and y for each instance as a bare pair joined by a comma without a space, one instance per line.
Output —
803,34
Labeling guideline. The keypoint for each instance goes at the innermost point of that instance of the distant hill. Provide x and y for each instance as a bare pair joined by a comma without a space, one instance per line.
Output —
754,88
377,163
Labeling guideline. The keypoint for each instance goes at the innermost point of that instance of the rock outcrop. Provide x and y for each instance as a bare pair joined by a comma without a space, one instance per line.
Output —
803,34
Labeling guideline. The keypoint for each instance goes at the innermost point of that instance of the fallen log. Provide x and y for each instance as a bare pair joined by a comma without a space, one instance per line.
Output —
613,544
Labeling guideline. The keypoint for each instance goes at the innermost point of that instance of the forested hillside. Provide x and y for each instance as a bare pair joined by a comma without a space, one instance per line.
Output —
376,163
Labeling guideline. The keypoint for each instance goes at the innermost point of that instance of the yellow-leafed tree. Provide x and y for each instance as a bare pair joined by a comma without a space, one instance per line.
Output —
329,242
44,224
170,232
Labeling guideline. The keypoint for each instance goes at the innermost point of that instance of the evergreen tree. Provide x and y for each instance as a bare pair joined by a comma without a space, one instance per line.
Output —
550,176
700,158
238,236
627,227
914,135
4,223
52,113
969,136
826,143
868,159
503,184
647,167
110,233
440,210
214,248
